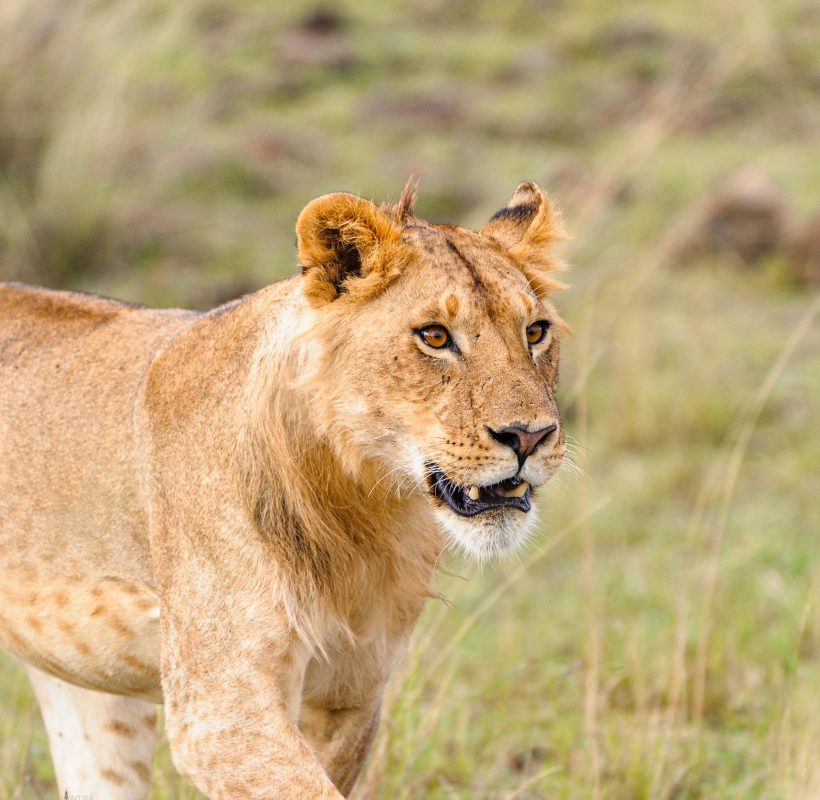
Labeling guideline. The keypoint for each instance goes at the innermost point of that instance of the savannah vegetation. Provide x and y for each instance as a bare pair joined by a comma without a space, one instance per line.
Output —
660,637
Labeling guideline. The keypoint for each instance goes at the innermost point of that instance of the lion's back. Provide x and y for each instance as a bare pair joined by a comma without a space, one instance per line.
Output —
71,367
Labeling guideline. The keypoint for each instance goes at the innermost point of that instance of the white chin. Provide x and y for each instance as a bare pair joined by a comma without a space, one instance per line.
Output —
488,535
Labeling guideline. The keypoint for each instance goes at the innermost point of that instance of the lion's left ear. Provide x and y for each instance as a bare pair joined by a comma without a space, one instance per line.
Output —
526,227
528,220
346,244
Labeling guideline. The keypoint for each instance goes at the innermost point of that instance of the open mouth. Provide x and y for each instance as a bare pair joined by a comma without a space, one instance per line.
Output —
471,500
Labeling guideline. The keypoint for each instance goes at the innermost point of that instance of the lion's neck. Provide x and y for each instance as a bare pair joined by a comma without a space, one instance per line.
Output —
342,535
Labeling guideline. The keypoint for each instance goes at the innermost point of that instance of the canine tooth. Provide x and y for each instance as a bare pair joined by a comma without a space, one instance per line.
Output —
474,493
518,491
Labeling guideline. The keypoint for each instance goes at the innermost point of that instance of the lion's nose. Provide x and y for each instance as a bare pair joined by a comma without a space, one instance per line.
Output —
522,441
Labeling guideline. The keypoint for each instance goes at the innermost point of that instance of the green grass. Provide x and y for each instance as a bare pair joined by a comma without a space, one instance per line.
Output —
660,637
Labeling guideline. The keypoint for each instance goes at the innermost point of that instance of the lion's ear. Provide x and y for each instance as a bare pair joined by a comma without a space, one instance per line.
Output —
526,227
528,219
341,237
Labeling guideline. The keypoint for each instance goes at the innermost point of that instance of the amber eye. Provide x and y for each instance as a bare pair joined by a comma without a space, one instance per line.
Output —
435,336
537,331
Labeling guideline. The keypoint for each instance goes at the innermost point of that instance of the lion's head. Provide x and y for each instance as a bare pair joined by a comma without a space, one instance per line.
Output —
440,355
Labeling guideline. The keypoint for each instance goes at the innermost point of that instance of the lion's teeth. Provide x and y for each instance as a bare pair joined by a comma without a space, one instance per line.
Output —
474,493
518,491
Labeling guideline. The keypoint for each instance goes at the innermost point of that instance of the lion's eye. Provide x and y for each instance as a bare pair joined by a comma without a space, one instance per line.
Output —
435,336
537,331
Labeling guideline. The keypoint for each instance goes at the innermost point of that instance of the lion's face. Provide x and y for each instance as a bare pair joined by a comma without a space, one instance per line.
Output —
445,371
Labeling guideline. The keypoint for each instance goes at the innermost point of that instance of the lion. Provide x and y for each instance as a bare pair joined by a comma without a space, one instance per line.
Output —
237,514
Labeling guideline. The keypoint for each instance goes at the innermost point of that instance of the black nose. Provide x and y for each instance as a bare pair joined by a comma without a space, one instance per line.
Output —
522,441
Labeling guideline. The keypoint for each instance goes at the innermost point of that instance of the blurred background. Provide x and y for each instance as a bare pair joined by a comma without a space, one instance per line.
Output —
660,638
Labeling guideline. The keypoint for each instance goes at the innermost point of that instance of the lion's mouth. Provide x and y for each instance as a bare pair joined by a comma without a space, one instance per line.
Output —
471,500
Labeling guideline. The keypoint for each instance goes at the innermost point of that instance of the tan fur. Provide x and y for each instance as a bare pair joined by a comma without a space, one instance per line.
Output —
229,512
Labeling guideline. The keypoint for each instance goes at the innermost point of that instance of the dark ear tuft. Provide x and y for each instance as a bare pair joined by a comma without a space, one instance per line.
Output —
517,214
346,261
350,261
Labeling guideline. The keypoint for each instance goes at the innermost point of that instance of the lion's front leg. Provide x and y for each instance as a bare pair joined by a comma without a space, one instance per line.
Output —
230,714
341,704
341,738
232,667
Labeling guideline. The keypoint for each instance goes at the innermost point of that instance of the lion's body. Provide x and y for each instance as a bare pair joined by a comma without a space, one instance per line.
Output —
195,510
77,578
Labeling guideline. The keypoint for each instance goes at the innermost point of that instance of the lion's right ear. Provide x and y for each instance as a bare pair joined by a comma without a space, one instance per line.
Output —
346,244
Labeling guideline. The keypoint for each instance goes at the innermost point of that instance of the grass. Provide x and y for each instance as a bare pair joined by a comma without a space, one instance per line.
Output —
660,638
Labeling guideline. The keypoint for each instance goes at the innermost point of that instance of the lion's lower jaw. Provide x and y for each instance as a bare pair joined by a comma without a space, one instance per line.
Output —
489,535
